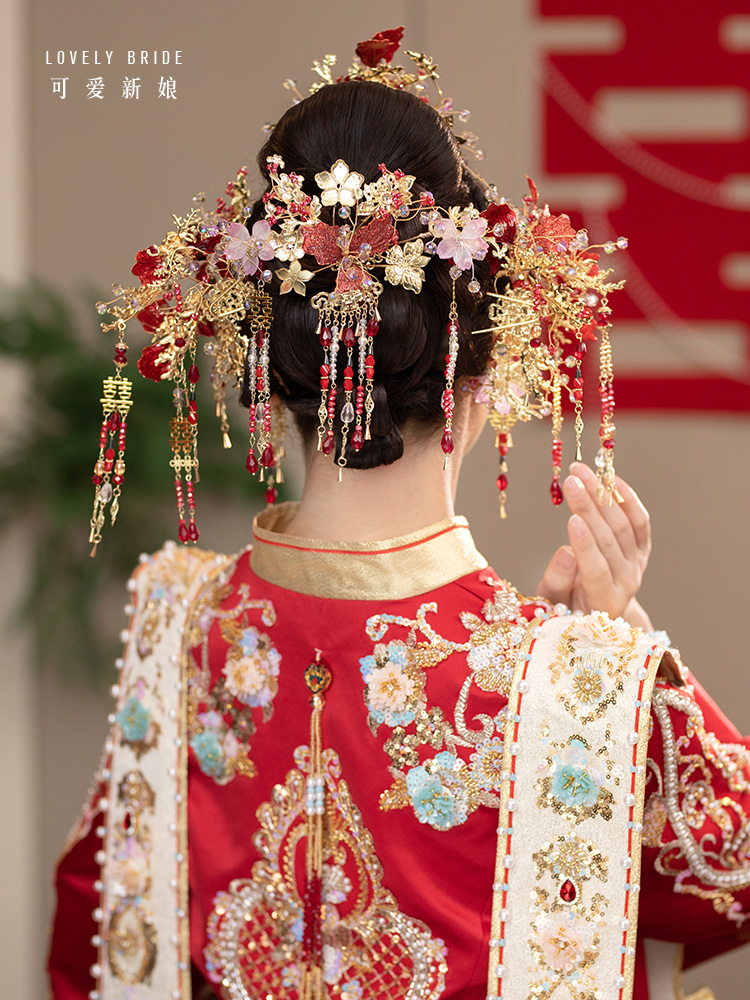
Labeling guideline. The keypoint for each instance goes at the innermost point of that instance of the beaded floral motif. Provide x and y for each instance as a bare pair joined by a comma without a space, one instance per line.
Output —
567,916
702,835
442,785
162,598
138,726
256,929
223,713
131,937
588,674
576,780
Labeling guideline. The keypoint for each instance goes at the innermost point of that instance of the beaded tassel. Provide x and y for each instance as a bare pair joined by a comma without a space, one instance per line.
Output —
555,489
447,401
502,443
576,395
317,679
259,420
109,470
605,462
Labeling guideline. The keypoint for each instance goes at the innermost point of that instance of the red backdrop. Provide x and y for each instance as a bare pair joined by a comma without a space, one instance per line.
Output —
681,216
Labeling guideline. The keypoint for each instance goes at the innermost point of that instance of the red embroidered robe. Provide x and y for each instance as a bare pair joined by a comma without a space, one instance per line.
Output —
419,637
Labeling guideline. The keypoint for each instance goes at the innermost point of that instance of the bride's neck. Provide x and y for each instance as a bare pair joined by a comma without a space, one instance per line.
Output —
375,504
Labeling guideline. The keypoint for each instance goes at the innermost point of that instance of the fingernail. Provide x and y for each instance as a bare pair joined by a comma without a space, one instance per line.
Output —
574,485
578,526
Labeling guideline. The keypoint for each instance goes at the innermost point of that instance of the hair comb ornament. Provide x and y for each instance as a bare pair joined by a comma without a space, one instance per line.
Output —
204,290
550,300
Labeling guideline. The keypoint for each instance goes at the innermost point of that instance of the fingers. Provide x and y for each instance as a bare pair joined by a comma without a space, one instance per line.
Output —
559,576
601,589
628,521
637,514
609,526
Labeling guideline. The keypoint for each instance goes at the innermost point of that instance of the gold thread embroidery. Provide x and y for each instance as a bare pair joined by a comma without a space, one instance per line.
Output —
256,929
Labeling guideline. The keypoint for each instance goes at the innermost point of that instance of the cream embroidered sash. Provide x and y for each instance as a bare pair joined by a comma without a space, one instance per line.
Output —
568,860
144,952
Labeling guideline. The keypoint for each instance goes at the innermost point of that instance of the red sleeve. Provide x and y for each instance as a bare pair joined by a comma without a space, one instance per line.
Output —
696,836
72,951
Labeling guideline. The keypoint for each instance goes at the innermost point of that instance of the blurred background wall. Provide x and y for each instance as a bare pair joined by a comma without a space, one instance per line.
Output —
579,95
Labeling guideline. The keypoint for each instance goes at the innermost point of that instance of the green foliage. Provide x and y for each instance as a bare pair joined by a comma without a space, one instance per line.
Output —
45,475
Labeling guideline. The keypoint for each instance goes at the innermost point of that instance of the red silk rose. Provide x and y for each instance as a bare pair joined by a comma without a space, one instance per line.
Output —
503,218
147,264
149,365
383,45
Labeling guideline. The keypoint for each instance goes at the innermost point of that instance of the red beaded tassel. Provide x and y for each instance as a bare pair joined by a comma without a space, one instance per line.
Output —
450,371
109,470
325,434
555,489
348,339
259,419
503,442
317,679
184,462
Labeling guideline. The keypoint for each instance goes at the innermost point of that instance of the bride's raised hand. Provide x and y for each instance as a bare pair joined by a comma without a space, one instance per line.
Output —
602,568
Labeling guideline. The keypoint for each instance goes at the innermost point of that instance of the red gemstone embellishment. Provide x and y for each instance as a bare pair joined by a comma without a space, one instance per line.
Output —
568,892
328,443
252,463
556,493
447,442
267,458
358,438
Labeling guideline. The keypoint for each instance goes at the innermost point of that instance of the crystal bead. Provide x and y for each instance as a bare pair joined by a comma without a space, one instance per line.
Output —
347,413
556,493
252,463
267,459
358,438
455,272
271,494
474,286
622,243
447,441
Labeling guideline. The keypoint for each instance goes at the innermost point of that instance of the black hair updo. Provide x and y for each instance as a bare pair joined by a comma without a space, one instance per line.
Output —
366,124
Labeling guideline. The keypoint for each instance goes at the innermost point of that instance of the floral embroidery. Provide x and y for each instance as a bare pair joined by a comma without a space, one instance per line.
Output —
577,784
438,795
567,917
255,932
139,729
487,764
703,836
444,786
589,675
222,714
131,938
251,677
395,685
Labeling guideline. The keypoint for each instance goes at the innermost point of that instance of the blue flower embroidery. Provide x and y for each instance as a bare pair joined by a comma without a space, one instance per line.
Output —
134,719
210,753
573,786
439,798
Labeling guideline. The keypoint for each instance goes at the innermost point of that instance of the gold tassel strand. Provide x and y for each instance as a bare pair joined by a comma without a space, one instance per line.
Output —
317,679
